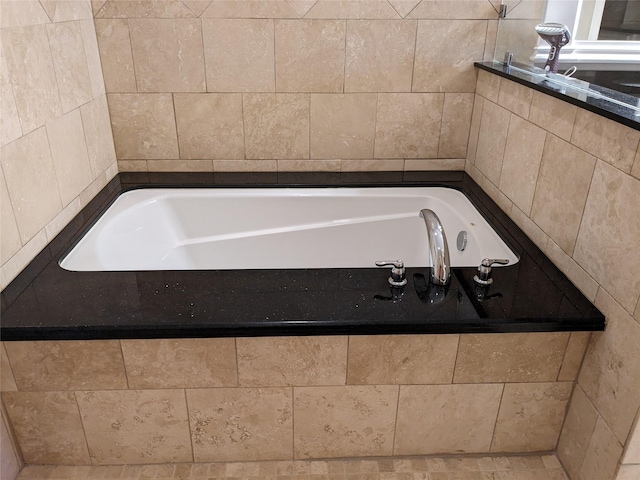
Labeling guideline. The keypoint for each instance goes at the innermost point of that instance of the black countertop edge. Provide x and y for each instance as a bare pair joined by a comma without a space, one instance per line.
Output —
28,313
593,103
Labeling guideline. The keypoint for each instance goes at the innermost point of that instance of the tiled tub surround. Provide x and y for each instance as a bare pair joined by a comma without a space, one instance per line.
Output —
329,85
571,180
257,398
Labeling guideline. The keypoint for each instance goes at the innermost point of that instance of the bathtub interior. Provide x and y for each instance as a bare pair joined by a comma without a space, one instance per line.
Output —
279,228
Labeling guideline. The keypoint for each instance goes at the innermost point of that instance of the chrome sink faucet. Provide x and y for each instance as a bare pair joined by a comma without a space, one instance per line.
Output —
438,247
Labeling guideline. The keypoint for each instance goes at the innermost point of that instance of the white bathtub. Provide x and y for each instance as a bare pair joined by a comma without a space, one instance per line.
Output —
279,228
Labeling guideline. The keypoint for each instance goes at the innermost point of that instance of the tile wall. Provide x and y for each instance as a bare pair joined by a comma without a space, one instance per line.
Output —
275,85
56,145
571,180
111,402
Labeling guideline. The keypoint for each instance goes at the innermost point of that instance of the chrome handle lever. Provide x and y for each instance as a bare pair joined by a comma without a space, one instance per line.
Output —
397,278
483,277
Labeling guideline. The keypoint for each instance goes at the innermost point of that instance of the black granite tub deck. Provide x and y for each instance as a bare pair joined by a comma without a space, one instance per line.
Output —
46,302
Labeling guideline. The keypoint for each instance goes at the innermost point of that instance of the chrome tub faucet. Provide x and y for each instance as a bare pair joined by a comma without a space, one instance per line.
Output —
438,248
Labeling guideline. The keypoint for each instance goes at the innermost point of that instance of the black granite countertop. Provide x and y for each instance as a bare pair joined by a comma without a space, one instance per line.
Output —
618,106
46,302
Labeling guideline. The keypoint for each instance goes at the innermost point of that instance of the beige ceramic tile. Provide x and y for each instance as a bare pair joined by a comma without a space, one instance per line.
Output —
573,356
32,75
10,236
561,192
603,453
402,359
97,132
521,163
571,269
474,130
20,13
576,432
196,6
21,259
553,115
67,365
488,85
530,417
177,165
92,52
66,10
404,7
31,182
446,419
8,383
180,363
55,226
632,447
10,128
210,125
239,55
132,165
310,55
144,9
70,64
454,9
528,226
245,165
500,198
135,426
605,246
606,139
610,374
456,121
143,126
241,424
249,9
424,164
635,171
343,126
379,55
628,472
280,361
512,357
276,126
168,55
69,154
11,460
445,66
353,9
492,140
515,97
346,421
115,54
371,165
398,116
491,40
301,7
47,427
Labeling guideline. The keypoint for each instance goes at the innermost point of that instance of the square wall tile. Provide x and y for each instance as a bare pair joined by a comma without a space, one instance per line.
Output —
515,97
47,427
492,140
454,9
530,416
114,44
402,359
99,137
143,9
249,9
280,361
578,426
456,121
510,357
344,421
241,424
553,114
379,55
603,454
210,125
32,76
180,363
10,236
443,65
446,419
69,154
31,182
310,55
561,193
353,9
67,365
398,115
488,85
70,64
239,55
10,128
276,126
135,426
521,162
92,52
144,126
573,356
343,126
605,248
168,54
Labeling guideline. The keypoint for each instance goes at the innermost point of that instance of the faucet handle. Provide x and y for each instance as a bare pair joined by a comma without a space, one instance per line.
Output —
484,270
397,278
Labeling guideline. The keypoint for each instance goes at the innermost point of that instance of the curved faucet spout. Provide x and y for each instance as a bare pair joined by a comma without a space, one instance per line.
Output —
438,247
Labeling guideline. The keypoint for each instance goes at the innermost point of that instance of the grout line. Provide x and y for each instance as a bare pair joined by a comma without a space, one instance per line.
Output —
186,404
